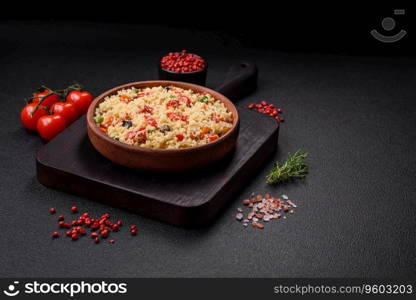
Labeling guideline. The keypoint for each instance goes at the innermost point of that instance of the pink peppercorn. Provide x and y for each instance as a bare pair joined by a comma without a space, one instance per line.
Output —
104,233
267,108
78,227
182,62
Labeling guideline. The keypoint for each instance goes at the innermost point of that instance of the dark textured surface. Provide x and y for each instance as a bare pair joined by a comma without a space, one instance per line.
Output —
182,198
355,116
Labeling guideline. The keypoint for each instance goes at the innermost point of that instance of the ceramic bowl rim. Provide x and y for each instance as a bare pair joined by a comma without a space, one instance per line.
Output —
92,125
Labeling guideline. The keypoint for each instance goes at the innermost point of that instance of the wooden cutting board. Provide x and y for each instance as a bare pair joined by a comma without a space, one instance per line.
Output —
70,163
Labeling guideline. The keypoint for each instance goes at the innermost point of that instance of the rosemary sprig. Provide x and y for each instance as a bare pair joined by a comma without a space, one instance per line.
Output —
293,167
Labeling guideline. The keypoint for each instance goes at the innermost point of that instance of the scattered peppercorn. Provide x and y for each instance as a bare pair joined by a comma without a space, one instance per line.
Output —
133,229
64,224
52,210
99,227
182,62
269,109
104,233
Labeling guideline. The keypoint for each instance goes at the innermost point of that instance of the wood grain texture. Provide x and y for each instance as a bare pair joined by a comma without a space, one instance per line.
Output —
70,163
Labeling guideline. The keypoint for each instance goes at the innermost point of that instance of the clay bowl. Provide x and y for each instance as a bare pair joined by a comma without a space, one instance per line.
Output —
168,160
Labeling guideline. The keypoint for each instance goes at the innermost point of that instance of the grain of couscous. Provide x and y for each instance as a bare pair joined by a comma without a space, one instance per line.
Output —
163,117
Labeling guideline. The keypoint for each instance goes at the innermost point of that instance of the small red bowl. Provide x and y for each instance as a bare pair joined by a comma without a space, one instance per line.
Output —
196,77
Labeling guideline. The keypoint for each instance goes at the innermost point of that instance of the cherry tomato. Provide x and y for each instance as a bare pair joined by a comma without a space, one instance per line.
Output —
49,126
81,100
29,121
48,100
66,110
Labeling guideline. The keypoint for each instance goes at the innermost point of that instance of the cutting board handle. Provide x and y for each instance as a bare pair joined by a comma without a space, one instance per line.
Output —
240,81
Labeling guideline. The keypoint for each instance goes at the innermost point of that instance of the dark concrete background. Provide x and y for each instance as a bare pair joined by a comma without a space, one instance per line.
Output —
341,27
355,116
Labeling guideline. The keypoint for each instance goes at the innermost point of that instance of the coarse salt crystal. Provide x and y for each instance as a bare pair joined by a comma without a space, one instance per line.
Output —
291,203
259,225
264,208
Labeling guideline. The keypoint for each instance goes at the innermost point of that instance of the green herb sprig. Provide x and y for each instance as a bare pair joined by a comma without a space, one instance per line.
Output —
293,167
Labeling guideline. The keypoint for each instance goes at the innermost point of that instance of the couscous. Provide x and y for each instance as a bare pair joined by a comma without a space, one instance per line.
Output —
163,117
